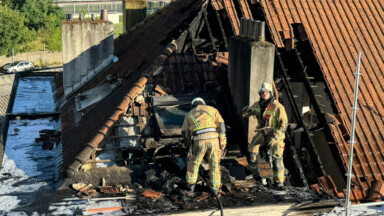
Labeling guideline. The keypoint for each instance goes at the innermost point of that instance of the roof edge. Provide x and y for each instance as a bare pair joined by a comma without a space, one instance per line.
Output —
86,153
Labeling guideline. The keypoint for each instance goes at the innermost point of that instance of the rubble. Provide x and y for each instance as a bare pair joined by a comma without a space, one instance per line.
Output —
242,184
88,193
49,138
152,194
202,197
78,186
108,189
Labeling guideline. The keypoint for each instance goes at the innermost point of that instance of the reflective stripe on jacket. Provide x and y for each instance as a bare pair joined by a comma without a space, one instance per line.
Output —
274,117
201,117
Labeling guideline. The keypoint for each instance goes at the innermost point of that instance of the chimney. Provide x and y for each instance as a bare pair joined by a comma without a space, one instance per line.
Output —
134,11
87,49
251,61
104,14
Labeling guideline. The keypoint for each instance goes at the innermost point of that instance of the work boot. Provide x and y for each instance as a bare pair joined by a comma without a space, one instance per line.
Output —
218,192
280,186
191,190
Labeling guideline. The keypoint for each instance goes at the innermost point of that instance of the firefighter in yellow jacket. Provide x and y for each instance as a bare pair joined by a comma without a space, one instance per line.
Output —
204,127
270,131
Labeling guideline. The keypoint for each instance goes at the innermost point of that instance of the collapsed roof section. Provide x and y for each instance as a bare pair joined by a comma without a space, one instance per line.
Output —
141,52
326,26
337,31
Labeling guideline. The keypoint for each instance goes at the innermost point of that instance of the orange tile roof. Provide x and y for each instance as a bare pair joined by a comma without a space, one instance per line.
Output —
217,4
245,10
337,31
233,17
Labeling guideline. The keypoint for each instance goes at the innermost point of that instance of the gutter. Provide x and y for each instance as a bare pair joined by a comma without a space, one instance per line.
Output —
121,109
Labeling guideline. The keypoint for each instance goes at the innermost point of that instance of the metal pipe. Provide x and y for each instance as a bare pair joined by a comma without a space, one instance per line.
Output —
70,17
367,204
352,141
261,35
128,197
251,27
245,32
242,26
104,14
256,29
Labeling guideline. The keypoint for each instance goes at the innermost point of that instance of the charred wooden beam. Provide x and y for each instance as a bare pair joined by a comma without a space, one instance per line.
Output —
293,155
209,31
311,146
308,86
222,30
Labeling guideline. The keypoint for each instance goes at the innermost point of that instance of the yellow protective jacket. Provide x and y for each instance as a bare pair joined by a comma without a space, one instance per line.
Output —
201,117
273,117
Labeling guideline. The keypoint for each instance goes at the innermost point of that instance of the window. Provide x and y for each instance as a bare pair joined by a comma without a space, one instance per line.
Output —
170,112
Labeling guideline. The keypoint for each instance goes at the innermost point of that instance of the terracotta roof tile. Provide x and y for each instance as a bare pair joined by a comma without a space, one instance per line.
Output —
337,31
233,17
217,4
185,73
244,7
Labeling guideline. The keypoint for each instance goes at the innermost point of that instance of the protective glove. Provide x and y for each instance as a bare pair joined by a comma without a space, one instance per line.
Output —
246,111
222,141
271,142
274,136
223,153
268,132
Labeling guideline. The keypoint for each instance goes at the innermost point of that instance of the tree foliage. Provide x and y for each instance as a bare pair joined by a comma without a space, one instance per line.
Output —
13,32
35,13
53,33
40,16
6,3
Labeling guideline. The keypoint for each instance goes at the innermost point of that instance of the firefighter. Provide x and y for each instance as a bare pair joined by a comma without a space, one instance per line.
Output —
270,133
204,128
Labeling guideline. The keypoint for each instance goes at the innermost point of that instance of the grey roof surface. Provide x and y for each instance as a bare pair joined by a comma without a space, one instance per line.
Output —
6,83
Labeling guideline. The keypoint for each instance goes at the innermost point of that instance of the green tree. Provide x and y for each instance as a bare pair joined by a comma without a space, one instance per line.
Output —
36,12
7,3
52,33
13,32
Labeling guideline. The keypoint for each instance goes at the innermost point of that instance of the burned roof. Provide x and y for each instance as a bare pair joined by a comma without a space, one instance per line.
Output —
141,51
337,31
185,73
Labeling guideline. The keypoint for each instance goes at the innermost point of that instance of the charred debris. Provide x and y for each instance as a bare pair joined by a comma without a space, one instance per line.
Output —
121,120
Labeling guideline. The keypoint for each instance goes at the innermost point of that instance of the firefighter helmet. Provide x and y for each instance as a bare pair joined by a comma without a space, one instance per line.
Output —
266,87
198,99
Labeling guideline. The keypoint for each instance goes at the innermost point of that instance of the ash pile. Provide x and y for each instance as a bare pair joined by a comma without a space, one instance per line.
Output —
163,189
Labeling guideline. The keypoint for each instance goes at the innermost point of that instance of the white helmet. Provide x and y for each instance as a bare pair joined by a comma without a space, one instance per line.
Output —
266,87
198,99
